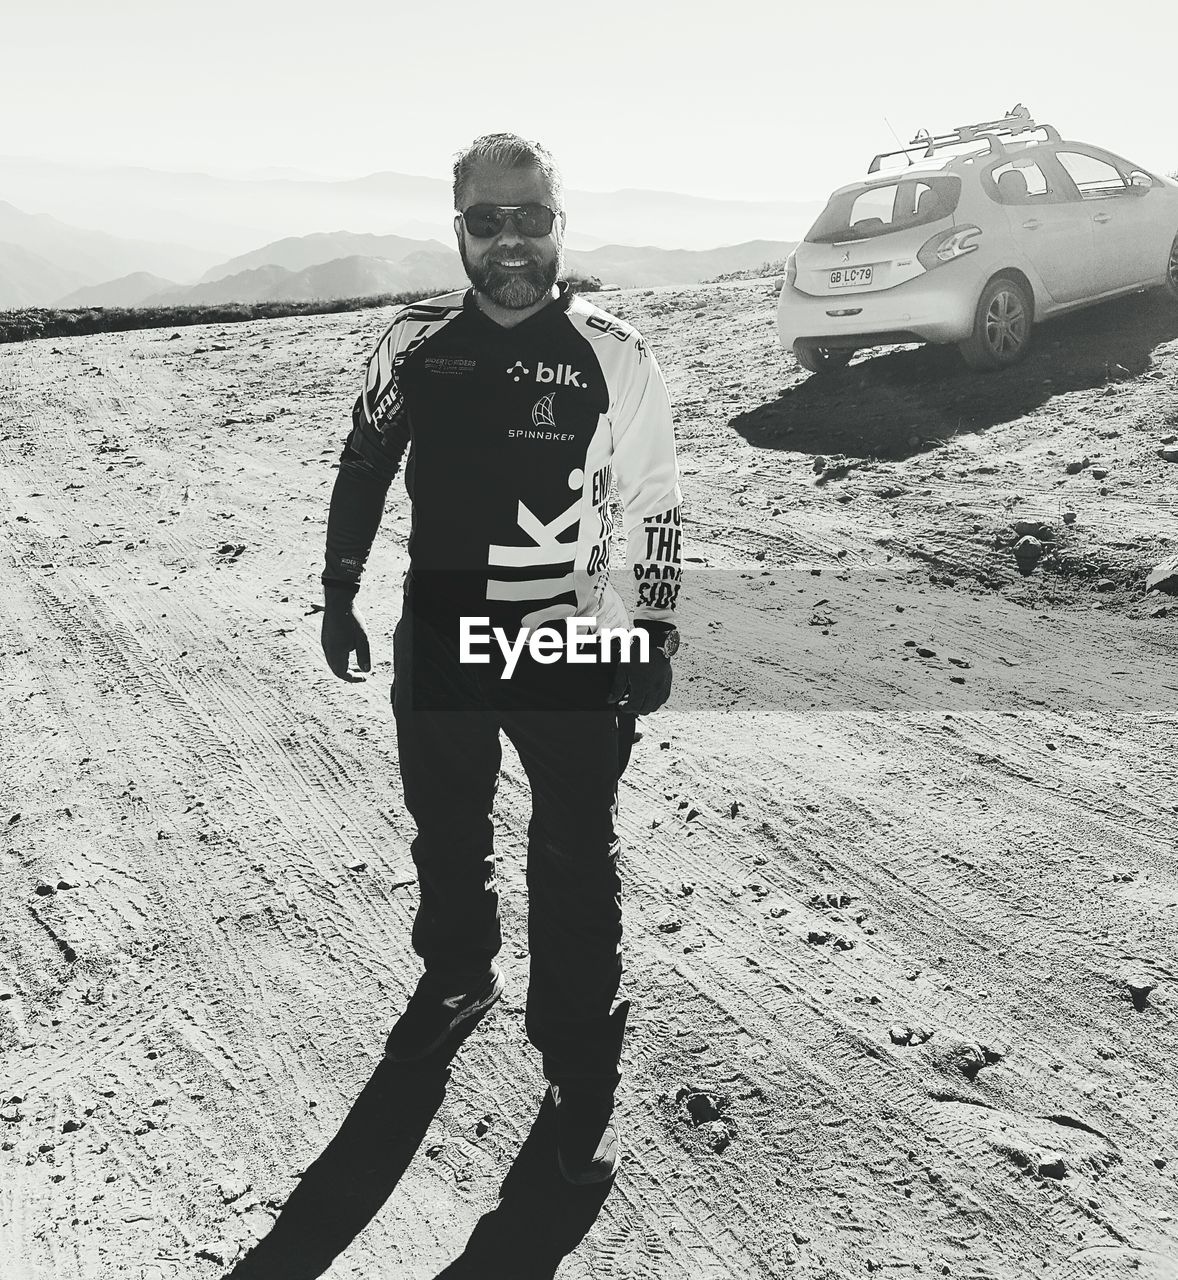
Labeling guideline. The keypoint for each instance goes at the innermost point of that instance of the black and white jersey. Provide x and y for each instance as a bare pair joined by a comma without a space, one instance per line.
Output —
515,437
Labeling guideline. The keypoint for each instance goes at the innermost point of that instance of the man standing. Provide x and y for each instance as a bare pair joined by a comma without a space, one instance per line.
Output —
520,405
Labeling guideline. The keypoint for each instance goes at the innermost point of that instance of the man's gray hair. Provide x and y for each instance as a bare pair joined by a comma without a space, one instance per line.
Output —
508,151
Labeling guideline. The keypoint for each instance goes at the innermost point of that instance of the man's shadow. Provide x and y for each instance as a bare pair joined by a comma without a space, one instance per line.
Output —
539,1219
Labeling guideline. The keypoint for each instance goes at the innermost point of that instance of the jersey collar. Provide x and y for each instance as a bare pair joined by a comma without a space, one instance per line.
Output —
558,306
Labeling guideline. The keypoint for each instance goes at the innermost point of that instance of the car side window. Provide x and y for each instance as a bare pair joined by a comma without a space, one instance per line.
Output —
1030,182
1095,179
1020,184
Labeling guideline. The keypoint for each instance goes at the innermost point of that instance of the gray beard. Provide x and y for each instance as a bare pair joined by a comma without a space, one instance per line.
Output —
513,290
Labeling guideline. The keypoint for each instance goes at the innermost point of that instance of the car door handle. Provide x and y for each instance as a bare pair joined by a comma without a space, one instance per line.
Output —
1032,223
1102,217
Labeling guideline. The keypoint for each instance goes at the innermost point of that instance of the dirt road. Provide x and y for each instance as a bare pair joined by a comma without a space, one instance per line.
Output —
900,857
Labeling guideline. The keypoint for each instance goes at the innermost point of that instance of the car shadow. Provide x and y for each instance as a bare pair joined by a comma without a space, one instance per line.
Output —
539,1220
344,1188
888,405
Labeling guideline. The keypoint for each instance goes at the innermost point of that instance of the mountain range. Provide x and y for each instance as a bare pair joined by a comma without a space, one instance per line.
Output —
346,264
225,216
352,276
27,279
39,254
127,291
173,231
298,252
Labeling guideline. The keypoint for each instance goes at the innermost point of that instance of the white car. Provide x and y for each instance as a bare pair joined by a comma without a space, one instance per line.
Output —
970,238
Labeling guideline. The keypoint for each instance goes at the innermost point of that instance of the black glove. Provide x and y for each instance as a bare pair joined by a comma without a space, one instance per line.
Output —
642,687
343,631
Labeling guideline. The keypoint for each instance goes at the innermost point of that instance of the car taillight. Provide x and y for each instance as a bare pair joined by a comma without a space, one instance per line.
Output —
791,270
947,245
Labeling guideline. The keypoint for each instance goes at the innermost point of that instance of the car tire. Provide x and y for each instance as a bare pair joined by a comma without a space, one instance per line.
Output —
1171,284
1002,325
818,359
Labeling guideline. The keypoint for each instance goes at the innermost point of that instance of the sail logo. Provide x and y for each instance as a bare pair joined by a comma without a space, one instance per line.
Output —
542,415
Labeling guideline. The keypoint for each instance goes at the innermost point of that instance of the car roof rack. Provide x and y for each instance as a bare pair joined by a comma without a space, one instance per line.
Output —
1017,120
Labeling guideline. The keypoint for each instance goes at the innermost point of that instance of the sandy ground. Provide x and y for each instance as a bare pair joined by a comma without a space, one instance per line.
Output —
902,895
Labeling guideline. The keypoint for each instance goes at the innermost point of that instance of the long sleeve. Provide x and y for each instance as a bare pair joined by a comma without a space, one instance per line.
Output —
368,464
648,485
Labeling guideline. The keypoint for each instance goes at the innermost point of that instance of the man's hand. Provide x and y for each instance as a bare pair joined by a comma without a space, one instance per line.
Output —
642,687
343,631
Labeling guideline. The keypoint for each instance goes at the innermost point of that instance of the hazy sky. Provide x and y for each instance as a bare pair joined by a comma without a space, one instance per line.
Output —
729,98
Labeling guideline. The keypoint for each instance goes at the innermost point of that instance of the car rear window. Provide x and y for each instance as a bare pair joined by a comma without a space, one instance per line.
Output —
876,208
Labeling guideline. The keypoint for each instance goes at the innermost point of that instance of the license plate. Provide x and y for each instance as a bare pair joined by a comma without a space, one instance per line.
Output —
849,277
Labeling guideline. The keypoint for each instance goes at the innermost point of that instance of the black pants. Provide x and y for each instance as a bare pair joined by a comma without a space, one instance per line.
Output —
449,716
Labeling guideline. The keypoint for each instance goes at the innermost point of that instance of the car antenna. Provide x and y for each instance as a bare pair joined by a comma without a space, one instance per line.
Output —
897,137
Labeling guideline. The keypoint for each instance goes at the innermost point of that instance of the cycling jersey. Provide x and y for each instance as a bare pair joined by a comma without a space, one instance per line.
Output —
515,437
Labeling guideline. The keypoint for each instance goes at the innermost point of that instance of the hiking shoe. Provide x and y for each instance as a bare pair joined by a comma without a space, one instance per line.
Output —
430,1017
587,1147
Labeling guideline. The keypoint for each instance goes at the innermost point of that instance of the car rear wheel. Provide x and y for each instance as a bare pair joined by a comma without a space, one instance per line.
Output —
1172,271
818,359
1002,326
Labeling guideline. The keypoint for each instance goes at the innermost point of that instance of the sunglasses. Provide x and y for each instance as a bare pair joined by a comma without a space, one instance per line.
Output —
485,221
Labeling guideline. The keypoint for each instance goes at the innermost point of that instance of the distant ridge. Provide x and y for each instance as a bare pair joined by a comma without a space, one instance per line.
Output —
29,280
296,253
126,291
350,277
328,265
314,267
631,267
235,214
90,257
